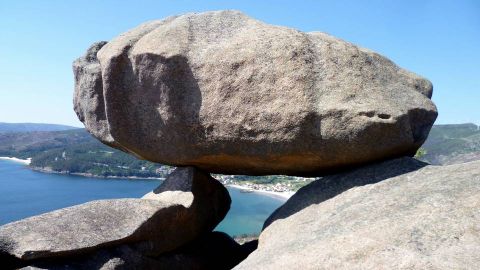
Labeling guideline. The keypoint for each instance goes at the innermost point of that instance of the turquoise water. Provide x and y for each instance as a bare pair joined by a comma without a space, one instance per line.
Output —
25,193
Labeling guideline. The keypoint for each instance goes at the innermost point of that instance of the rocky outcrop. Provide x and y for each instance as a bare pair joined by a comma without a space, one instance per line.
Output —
330,186
384,216
150,226
230,94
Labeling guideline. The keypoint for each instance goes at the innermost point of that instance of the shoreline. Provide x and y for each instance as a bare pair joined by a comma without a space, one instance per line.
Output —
45,170
279,195
18,160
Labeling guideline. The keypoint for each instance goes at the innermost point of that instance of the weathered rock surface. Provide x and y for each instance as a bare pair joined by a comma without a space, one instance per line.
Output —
424,219
88,86
230,94
333,185
151,226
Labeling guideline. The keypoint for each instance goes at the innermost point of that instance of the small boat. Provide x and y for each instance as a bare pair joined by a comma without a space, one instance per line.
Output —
246,190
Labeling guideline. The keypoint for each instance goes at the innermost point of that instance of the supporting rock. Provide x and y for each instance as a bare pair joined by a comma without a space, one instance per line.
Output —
383,216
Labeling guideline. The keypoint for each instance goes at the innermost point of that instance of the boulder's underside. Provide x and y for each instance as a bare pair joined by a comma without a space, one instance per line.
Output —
229,94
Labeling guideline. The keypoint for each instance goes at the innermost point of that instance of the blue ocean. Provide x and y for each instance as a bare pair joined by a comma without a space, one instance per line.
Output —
24,193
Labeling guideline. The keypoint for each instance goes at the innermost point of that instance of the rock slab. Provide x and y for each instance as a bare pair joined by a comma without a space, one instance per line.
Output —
230,94
150,226
427,218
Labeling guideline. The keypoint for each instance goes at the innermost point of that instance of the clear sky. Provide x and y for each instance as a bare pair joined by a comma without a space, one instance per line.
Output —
439,40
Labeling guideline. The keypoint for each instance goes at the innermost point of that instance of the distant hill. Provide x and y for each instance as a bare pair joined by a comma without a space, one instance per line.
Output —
29,144
28,127
75,151
449,144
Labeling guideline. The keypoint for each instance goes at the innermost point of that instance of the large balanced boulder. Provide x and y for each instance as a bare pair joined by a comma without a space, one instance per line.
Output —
230,94
150,226
427,218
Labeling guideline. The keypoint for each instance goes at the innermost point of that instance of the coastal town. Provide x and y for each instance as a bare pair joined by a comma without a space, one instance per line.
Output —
277,183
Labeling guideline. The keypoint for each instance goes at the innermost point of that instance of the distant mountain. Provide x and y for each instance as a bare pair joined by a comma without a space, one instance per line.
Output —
28,127
449,144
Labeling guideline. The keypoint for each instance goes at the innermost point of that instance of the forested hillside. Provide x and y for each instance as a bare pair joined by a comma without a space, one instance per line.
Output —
449,144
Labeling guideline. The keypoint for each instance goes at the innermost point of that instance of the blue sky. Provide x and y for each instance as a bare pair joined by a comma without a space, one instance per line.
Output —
439,40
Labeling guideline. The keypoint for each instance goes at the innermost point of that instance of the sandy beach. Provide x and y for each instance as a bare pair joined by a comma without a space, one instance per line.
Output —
23,161
281,195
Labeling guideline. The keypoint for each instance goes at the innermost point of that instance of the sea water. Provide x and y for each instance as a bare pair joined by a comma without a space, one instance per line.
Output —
25,193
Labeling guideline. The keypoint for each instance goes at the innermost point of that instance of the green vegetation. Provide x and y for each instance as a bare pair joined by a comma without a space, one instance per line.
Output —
420,153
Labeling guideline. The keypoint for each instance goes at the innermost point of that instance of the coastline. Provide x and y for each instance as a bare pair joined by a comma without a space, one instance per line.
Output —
18,160
279,195
46,170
